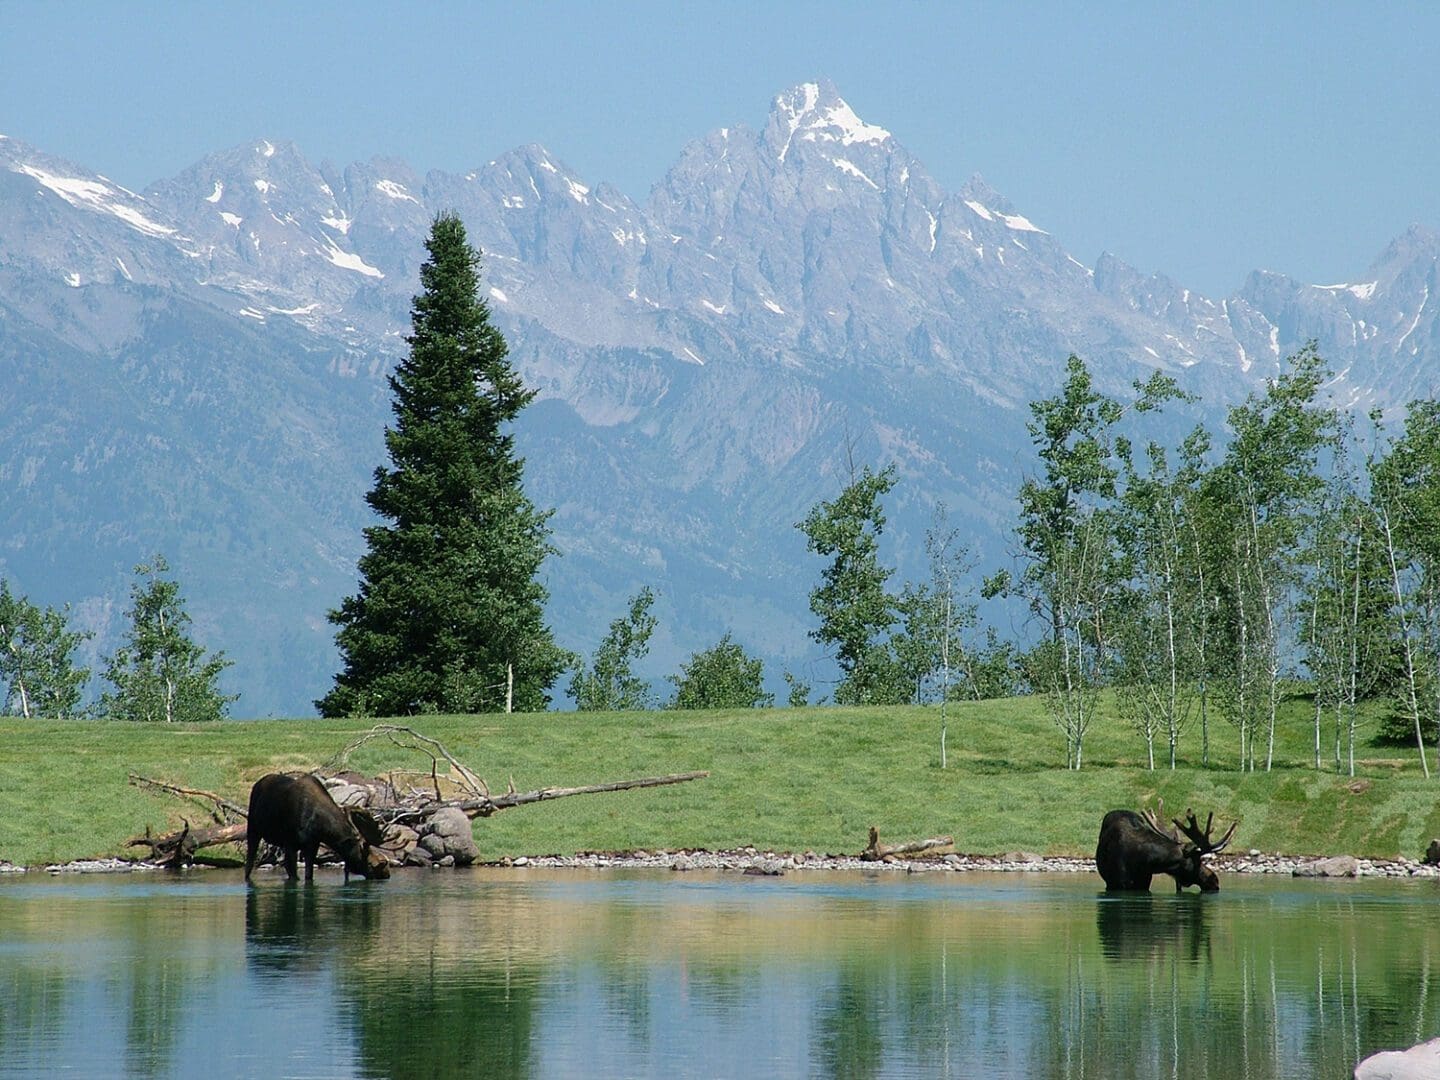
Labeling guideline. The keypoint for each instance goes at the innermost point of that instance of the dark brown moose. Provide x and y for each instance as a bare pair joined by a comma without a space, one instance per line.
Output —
1135,847
294,812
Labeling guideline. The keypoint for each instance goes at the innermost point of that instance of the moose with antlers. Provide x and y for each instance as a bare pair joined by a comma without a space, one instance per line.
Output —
1135,847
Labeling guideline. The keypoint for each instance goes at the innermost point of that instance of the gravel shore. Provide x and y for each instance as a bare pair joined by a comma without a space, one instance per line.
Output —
768,863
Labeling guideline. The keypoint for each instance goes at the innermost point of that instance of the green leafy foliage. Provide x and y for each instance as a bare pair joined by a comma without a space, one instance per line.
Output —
159,674
1074,570
450,612
851,602
608,683
721,677
37,659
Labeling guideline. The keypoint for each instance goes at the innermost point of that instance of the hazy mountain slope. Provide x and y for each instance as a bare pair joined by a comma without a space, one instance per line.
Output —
200,369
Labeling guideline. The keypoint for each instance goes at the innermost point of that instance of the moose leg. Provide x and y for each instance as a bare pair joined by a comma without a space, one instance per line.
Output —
310,852
252,849
290,869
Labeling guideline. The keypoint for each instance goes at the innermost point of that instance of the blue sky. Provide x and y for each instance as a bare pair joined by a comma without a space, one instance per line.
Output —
1202,140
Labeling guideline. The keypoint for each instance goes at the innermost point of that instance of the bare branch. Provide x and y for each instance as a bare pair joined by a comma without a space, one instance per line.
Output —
233,809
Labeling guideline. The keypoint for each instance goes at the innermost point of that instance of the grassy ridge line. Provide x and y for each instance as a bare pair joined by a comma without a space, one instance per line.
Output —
785,780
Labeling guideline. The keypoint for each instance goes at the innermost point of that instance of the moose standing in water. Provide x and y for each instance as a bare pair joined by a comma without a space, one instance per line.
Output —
1135,847
294,812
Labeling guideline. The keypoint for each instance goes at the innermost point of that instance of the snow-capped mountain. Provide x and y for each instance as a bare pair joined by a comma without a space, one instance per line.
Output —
198,369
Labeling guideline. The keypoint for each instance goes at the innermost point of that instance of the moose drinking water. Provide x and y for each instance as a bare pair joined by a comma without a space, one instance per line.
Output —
1135,847
294,812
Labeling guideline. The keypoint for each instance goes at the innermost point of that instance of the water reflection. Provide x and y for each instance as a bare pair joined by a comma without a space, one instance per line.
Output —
519,975
1144,926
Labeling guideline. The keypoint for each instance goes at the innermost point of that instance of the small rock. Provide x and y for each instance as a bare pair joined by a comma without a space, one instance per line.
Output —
764,868
682,862
523,860
1020,857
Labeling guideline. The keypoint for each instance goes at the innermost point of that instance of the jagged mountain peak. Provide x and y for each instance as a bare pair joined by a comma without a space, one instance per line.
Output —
1418,243
814,112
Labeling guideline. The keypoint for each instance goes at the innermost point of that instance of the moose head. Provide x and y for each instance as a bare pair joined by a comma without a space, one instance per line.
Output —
1191,869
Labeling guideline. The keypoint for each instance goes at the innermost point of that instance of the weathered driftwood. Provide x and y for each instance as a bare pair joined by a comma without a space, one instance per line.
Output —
407,738
878,852
487,805
220,803
178,849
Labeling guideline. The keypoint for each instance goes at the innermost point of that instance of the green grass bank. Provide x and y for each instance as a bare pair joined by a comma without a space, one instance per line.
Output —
785,780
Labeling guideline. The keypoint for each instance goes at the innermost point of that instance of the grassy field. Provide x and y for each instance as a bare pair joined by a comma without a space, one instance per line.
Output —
786,779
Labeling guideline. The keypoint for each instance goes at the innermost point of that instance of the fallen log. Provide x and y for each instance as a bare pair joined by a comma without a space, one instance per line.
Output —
878,852
487,805
178,849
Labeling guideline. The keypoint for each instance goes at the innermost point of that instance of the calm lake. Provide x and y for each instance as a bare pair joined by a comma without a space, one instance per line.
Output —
659,974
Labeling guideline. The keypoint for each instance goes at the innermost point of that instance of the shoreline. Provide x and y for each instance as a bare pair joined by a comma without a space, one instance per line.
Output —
755,862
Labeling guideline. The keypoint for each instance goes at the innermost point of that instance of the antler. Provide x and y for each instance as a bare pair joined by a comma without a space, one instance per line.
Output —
1152,820
1201,837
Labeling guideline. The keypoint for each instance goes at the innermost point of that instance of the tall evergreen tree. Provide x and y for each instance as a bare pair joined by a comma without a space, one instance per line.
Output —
450,612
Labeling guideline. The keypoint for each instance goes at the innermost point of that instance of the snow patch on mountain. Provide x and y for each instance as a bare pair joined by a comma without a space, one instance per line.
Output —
94,195
348,261
395,191
849,167
1360,292
1021,224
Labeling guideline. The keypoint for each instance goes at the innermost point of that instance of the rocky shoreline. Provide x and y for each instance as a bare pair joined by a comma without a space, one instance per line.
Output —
773,864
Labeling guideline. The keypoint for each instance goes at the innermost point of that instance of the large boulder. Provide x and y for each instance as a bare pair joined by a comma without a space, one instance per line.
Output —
447,832
1337,866
1418,1063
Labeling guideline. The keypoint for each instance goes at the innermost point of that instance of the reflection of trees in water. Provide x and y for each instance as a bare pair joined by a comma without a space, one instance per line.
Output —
424,1015
1167,987
33,999
625,994
444,1023
156,1007
847,1038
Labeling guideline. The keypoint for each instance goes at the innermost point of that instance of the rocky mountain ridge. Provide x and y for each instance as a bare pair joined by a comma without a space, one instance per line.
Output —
199,369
